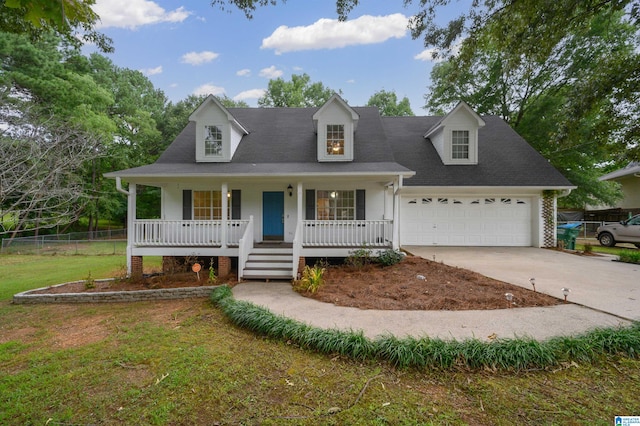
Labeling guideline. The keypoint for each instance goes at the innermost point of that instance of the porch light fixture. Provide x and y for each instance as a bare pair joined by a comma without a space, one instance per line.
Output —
290,190
565,292
333,194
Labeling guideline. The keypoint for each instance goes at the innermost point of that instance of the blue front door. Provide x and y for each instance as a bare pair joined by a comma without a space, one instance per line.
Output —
273,216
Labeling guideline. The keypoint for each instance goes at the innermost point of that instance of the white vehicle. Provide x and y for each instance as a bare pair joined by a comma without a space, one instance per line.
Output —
626,231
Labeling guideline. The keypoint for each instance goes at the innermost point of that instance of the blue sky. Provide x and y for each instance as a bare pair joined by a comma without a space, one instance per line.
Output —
193,47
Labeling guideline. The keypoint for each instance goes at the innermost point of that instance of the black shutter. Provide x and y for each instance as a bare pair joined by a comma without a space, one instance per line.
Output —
235,204
360,206
310,204
186,204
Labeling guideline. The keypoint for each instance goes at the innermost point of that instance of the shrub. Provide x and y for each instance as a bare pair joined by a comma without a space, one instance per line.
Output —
359,258
390,257
629,256
312,278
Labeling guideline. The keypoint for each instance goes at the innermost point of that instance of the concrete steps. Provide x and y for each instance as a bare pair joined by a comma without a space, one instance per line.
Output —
269,264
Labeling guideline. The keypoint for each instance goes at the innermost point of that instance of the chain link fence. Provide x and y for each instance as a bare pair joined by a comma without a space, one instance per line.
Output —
91,243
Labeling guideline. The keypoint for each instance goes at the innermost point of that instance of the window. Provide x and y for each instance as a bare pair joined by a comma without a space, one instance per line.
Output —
335,139
207,205
212,141
460,144
335,205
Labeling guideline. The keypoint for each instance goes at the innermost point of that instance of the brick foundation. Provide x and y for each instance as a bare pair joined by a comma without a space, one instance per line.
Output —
224,266
136,266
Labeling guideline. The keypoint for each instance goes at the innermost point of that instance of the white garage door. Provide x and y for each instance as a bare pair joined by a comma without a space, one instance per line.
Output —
465,221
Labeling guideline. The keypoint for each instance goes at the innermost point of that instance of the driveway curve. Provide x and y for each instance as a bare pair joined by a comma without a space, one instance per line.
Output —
588,278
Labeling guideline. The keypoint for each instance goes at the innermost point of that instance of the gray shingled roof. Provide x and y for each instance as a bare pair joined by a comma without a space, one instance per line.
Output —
504,158
282,141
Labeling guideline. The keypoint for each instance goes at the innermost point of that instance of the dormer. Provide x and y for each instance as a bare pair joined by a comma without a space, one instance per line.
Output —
218,133
455,137
335,124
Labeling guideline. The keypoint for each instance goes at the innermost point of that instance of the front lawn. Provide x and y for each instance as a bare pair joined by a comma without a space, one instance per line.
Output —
183,362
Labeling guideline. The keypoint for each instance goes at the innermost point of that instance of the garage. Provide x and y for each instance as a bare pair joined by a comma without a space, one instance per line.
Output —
465,221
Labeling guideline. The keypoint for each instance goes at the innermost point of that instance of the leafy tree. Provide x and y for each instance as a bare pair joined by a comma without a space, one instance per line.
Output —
518,25
299,92
67,18
387,103
572,105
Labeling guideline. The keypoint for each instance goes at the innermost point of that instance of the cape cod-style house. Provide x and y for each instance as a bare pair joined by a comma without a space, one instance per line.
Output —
264,188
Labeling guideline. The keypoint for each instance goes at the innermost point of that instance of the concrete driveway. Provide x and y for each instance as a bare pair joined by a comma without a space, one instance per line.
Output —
596,282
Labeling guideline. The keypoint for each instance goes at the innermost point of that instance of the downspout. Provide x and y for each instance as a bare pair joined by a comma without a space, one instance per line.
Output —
119,186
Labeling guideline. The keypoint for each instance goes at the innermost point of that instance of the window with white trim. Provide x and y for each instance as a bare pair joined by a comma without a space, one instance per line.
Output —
207,205
335,139
460,144
335,205
212,141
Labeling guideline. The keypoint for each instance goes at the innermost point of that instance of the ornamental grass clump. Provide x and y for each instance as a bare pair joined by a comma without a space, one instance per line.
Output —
311,280
409,352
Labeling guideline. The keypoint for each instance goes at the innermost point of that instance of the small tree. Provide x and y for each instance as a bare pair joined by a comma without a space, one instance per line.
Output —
40,171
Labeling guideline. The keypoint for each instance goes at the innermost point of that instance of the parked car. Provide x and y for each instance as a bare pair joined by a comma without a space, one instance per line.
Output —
626,231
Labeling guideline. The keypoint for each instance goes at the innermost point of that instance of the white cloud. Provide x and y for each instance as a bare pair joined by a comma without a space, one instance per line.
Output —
199,58
173,85
249,94
208,89
271,72
427,55
246,72
135,13
333,34
152,71
351,81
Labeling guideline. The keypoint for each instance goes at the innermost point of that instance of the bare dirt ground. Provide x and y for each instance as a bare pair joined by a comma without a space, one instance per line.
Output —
421,284
413,284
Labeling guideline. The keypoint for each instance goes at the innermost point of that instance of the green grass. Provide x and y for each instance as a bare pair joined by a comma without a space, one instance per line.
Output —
184,362
597,248
25,272
630,256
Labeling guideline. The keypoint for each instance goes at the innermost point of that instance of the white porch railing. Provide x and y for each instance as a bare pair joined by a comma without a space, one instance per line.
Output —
347,233
245,246
187,233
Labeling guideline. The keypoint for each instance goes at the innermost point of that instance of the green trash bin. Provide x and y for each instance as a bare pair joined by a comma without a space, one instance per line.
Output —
568,234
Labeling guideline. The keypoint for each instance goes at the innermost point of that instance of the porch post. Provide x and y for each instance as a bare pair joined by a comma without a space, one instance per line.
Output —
396,214
299,202
225,208
131,217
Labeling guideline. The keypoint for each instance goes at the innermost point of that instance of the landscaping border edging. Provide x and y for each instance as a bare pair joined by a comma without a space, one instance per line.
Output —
28,297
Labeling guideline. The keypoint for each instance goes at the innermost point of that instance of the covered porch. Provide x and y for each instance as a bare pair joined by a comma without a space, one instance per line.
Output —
242,238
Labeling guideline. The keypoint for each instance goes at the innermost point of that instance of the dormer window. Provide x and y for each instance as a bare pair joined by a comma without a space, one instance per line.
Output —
455,137
460,144
218,133
212,141
335,139
335,124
